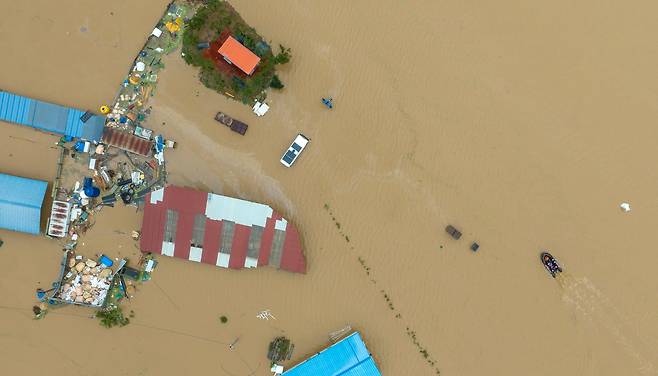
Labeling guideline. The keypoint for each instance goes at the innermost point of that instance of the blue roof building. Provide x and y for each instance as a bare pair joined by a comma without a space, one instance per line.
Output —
50,117
347,357
20,203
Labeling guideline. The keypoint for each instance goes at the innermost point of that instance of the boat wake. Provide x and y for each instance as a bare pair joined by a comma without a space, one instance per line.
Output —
593,306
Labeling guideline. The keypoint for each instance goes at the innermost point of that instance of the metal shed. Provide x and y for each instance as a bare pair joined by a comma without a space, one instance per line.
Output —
347,357
219,230
50,117
20,203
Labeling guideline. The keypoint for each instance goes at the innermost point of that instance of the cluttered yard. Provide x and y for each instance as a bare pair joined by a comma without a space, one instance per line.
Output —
208,31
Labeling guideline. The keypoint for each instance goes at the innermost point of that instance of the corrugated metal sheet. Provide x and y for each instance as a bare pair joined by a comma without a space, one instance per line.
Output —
235,234
348,357
127,141
49,117
20,203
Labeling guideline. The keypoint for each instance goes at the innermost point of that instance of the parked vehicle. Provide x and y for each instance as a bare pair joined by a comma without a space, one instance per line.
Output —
453,232
235,125
298,144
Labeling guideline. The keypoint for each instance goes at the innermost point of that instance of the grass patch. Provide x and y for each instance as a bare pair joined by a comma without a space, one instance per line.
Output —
206,25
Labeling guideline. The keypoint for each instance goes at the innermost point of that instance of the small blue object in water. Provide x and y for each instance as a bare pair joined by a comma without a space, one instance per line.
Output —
41,295
328,102
106,261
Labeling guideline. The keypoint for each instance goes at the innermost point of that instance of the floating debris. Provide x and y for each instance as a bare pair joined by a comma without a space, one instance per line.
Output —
280,349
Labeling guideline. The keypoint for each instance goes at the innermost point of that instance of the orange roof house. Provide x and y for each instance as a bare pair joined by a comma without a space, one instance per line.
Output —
240,56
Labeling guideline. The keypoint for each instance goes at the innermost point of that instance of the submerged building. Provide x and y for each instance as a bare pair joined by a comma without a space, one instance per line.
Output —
51,118
347,357
218,230
20,203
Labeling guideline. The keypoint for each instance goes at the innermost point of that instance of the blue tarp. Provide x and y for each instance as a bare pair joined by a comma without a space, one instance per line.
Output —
49,117
20,203
348,357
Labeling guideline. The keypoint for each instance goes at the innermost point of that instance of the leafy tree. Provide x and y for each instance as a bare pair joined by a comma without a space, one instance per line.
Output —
283,56
276,83
112,316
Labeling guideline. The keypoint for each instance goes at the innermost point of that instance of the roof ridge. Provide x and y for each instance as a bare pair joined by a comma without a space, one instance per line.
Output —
16,203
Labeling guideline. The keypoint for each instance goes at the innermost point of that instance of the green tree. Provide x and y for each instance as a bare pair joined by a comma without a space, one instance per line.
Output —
283,56
276,83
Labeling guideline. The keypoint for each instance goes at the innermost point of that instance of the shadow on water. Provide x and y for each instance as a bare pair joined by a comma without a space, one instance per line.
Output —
593,306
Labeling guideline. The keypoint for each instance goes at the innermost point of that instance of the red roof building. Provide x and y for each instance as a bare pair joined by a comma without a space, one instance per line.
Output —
240,56
219,230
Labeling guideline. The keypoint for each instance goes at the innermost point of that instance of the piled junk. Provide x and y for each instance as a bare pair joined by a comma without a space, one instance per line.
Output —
96,283
84,281
108,175
123,126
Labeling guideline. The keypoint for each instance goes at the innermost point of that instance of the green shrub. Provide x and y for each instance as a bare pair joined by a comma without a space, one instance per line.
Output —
283,56
112,316
276,83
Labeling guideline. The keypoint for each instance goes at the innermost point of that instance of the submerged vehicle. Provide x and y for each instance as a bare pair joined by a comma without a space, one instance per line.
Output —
550,263
235,125
298,144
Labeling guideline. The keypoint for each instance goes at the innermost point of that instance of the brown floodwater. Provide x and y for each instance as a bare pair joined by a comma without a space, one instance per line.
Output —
523,125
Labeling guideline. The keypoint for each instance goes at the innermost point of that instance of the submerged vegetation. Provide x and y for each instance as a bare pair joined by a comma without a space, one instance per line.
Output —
218,19
280,350
113,316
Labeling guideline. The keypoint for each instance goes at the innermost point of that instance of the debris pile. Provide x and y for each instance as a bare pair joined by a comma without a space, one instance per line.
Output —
87,282
123,125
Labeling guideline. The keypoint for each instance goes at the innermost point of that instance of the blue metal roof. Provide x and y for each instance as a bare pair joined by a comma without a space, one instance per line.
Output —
49,117
20,203
348,357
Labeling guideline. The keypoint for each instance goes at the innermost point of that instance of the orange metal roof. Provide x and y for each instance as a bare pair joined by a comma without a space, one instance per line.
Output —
239,55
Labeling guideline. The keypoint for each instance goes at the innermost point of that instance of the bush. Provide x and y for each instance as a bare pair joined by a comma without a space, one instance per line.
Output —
223,319
112,316
283,56
276,83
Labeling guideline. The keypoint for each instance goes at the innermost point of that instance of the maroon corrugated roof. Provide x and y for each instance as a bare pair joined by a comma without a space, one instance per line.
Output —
127,141
188,203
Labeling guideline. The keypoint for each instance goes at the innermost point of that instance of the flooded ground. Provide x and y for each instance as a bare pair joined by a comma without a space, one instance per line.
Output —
523,126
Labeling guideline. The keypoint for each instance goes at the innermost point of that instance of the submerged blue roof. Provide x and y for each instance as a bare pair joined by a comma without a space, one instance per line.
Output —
20,203
49,117
348,357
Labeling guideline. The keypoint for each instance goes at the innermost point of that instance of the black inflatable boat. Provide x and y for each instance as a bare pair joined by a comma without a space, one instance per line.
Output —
550,263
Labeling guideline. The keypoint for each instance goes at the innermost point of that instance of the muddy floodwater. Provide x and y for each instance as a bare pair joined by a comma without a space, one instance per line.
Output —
523,125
